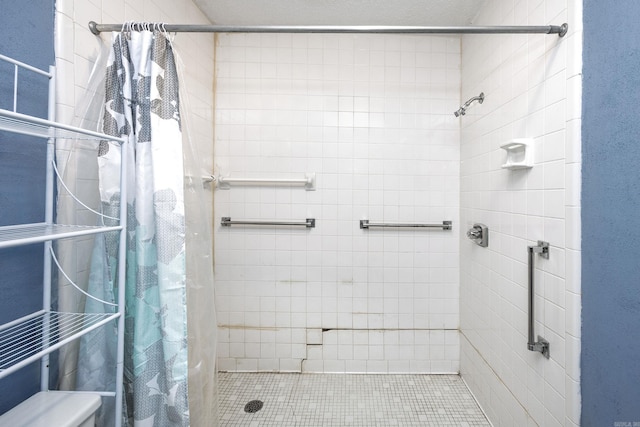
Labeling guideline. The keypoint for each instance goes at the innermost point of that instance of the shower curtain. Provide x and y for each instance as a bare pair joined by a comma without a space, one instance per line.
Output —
142,104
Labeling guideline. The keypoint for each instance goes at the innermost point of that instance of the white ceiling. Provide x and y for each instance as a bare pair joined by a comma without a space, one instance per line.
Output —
341,12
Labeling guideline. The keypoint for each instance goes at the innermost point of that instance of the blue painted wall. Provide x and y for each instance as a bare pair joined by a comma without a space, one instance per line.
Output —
611,213
26,29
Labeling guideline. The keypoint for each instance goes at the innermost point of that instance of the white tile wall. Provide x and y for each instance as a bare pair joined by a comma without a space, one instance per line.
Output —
533,89
76,53
371,116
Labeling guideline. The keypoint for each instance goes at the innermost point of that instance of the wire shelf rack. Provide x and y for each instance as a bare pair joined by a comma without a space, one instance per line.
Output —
27,339
16,235
27,125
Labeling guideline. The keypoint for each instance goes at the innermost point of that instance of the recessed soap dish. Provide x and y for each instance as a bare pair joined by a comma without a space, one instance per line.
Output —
519,153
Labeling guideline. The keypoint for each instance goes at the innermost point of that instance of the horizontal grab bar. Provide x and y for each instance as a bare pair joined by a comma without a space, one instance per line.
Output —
365,224
309,181
309,222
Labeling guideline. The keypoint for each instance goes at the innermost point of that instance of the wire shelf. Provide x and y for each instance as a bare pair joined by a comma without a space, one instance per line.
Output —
26,340
16,235
33,126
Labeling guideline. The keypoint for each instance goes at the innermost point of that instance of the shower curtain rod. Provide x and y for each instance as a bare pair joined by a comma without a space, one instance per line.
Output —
561,30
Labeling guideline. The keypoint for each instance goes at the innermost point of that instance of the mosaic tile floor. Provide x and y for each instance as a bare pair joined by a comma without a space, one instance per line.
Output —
304,400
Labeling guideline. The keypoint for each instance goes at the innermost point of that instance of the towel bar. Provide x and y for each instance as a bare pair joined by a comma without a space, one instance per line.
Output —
365,224
309,222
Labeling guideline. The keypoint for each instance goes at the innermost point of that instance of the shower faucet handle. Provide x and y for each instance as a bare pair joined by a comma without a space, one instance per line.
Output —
479,233
474,233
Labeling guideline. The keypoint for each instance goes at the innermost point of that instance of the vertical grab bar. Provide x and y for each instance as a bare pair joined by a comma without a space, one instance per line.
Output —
542,345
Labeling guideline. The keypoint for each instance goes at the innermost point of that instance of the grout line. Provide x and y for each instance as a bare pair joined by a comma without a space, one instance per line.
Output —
476,400
524,409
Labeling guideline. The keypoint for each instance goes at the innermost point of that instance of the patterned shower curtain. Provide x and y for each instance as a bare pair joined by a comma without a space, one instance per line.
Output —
142,104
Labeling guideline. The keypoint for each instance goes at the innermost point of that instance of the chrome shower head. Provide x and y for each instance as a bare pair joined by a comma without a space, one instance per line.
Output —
463,109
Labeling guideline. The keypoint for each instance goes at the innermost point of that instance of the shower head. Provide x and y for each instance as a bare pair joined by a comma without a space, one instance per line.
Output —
463,109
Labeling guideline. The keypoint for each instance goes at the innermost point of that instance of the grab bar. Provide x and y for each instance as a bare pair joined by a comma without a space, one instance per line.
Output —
309,181
365,224
542,345
309,222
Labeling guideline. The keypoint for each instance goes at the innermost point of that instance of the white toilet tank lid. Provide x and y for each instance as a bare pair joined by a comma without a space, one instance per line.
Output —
52,409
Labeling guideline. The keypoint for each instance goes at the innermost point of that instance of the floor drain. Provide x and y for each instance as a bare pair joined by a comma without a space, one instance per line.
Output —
253,406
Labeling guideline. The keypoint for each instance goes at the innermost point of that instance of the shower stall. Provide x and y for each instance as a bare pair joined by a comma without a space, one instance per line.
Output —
369,117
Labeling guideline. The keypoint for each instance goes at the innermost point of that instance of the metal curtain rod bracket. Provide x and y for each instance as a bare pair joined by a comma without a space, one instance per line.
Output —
560,30
227,222
365,224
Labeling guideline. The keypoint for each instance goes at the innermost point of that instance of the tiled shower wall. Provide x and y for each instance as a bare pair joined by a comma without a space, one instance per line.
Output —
371,116
533,90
